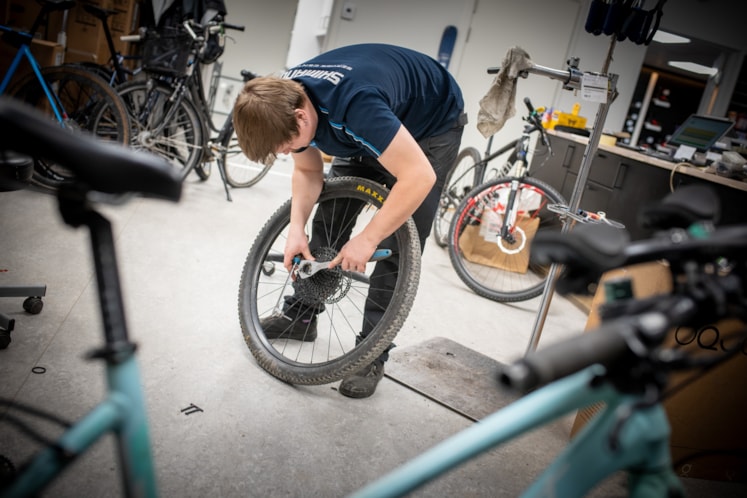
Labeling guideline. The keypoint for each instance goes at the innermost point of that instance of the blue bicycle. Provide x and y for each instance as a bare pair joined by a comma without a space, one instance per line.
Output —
96,168
623,366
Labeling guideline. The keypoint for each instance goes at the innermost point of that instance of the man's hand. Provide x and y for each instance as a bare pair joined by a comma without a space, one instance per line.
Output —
296,244
355,254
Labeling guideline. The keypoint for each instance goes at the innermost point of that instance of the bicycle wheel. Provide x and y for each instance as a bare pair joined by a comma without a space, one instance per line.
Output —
339,297
181,140
89,104
240,171
494,266
464,175
459,181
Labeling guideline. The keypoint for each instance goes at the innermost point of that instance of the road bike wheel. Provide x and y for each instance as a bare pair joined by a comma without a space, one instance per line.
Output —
240,171
498,267
181,140
89,103
459,181
337,350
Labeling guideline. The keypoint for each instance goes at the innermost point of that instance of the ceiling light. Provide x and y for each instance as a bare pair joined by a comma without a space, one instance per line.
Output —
694,67
666,37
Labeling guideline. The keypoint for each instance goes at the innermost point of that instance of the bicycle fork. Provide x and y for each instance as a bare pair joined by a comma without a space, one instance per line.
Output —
511,213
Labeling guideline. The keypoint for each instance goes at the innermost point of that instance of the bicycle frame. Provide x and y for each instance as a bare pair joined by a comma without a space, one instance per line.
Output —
123,412
479,169
24,41
642,443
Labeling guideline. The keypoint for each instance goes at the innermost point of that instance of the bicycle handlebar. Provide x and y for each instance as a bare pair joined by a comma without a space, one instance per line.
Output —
709,277
189,25
234,27
608,345
570,77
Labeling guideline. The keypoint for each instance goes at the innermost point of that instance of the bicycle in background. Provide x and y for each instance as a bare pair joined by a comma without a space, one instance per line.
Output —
114,71
74,97
171,113
493,225
96,168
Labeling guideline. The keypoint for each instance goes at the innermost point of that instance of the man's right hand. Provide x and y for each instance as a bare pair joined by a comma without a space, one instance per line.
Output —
296,244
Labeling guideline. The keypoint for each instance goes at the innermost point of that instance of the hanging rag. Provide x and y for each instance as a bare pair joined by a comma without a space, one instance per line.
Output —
497,106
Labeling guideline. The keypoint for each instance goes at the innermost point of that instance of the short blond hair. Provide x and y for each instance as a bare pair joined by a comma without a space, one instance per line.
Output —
264,116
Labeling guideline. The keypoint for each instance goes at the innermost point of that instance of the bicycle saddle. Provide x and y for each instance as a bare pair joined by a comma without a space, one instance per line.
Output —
53,5
586,252
101,166
98,12
682,208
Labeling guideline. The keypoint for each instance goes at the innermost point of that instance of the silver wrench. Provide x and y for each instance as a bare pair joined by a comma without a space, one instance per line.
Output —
308,267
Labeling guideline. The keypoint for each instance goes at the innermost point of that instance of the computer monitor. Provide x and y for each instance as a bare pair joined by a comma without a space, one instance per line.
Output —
700,132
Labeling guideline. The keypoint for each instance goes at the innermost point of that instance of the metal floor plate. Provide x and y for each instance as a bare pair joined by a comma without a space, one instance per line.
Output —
453,375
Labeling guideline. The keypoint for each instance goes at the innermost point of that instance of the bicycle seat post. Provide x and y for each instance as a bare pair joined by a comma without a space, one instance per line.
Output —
76,211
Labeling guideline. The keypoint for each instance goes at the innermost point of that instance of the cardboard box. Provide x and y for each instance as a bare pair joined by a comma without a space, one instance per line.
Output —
709,437
479,245
86,40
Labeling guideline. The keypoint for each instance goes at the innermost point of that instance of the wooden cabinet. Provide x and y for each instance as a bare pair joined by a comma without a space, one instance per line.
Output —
621,181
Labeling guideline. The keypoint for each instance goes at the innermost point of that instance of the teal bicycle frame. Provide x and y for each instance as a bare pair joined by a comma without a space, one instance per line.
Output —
641,444
123,412
24,41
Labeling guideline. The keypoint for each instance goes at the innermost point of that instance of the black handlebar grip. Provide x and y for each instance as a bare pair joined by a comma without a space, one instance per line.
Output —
529,105
604,345
234,27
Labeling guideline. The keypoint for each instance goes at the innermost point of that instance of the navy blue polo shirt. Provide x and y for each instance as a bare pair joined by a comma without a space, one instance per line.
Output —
362,93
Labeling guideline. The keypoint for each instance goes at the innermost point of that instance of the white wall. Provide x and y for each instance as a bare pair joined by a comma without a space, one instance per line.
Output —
263,46
540,27
415,24
551,31
309,30
487,29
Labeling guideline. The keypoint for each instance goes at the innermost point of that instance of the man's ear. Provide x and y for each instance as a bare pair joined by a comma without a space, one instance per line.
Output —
302,116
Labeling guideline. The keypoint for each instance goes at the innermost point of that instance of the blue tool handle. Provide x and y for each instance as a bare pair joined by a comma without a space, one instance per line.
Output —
380,254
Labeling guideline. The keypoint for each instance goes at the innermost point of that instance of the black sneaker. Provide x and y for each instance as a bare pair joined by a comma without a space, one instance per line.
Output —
362,383
285,327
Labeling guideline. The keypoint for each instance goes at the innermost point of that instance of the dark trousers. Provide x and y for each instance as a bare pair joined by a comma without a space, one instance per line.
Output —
441,152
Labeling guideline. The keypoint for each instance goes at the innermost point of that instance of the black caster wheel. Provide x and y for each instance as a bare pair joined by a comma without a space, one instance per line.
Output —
4,339
33,305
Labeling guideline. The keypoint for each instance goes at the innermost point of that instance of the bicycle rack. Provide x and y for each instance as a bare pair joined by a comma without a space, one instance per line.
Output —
572,80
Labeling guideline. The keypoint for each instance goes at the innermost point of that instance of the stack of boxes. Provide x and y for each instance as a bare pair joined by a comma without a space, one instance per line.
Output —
73,35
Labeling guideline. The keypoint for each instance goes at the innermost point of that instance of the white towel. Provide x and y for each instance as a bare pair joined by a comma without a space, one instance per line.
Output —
497,106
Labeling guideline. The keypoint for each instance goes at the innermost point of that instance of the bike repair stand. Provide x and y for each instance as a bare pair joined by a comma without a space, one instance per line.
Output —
578,189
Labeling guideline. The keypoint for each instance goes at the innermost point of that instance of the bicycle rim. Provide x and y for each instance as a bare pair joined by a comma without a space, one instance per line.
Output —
240,171
180,141
460,180
89,103
337,351
493,266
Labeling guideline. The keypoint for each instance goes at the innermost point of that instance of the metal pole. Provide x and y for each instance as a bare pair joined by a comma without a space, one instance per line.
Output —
575,201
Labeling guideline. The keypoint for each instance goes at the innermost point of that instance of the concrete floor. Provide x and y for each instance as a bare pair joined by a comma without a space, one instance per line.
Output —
254,435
